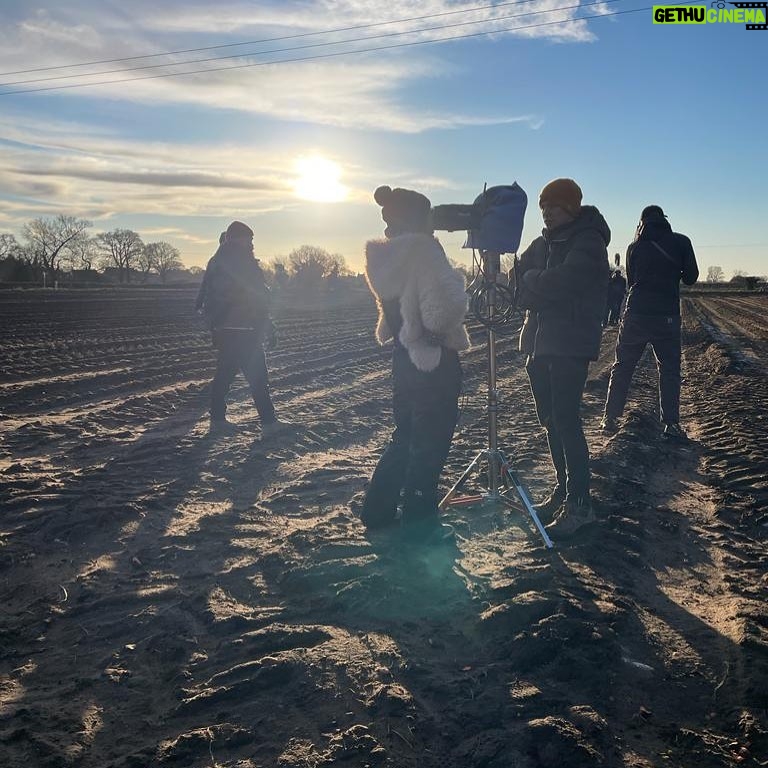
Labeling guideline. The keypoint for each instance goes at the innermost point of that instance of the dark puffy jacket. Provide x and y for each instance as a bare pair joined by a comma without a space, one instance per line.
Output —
563,283
234,293
657,261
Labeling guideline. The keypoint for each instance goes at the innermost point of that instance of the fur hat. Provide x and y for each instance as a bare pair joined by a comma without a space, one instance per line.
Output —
565,193
652,212
403,210
238,230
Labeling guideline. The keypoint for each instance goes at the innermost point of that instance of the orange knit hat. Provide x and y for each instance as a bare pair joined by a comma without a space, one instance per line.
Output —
565,193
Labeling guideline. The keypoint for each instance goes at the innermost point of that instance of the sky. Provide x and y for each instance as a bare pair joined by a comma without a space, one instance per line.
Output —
635,112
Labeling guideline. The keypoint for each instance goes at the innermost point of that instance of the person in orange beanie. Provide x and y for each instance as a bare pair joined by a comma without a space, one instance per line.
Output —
562,280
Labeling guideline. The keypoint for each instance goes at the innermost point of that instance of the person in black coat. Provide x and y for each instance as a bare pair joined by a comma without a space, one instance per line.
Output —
234,298
617,289
563,281
657,260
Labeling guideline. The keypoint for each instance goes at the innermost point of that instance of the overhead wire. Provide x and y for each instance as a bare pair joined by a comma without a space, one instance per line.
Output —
337,54
268,39
309,45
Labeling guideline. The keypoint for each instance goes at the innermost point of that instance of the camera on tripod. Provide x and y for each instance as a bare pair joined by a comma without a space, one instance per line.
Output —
494,225
493,222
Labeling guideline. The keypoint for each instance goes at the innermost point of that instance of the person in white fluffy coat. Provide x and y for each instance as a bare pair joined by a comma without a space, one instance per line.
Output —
422,303
414,269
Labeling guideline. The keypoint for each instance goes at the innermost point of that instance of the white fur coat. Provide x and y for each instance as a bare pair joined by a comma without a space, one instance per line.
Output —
414,269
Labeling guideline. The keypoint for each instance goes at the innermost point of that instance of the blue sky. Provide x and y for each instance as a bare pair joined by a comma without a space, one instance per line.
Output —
637,113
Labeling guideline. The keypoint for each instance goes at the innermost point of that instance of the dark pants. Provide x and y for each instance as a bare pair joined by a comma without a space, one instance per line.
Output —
557,384
425,408
240,351
612,312
663,334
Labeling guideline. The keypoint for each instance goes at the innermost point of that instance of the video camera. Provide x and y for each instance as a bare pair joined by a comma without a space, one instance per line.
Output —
494,222
494,225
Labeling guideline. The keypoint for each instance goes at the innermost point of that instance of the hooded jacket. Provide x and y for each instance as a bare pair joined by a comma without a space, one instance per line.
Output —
657,261
234,294
563,283
420,298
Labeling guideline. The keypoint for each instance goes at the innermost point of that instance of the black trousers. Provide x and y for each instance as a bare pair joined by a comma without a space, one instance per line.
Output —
663,334
425,408
612,312
557,385
240,351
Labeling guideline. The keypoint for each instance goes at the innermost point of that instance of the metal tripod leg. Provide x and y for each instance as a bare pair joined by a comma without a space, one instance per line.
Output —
510,479
511,476
459,484
498,464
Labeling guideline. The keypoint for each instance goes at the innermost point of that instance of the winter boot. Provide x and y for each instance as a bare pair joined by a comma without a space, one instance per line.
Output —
547,509
576,512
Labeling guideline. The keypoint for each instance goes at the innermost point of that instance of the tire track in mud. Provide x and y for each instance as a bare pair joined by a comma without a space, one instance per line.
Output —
739,325
223,604
734,425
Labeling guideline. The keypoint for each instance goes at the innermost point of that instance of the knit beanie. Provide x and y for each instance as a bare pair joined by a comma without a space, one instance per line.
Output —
565,193
652,212
403,210
238,230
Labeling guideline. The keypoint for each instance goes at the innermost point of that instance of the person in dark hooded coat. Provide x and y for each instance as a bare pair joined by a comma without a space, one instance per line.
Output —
234,298
563,283
657,260
421,302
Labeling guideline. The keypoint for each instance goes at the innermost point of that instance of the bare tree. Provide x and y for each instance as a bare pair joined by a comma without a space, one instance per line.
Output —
121,248
145,264
82,252
48,239
715,274
309,265
9,247
163,258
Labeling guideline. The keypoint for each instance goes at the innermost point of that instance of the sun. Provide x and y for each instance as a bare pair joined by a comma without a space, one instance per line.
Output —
317,179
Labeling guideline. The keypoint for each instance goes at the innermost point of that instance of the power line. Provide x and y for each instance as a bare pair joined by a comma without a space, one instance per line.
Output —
327,55
310,45
267,39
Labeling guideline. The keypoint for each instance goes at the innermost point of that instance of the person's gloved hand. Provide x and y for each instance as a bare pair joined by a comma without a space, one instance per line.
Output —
270,341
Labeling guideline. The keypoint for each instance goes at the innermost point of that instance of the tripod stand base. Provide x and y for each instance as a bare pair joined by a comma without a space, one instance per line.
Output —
503,471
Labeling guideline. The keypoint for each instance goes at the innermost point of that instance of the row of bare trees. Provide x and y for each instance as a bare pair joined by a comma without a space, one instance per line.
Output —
50,246
306,267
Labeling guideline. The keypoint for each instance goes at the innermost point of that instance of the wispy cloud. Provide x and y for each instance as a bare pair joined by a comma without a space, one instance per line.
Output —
363,91
45,165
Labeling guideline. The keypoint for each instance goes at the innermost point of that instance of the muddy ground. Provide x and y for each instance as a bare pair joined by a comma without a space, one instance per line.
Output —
175,599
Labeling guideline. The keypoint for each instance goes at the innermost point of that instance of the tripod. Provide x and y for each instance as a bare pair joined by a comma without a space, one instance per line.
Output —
502,480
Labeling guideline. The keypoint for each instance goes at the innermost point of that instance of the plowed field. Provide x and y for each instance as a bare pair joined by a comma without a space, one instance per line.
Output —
175,599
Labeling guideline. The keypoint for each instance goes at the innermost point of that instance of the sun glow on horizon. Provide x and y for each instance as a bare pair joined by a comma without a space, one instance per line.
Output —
318,180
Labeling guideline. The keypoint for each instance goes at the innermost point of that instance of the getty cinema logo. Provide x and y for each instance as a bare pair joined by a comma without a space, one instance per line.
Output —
753,15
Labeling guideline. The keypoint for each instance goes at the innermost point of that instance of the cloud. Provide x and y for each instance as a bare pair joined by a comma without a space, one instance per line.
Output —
156,179
48,166
363,91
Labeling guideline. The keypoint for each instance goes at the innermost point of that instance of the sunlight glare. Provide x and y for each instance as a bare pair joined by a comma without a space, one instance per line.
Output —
317,179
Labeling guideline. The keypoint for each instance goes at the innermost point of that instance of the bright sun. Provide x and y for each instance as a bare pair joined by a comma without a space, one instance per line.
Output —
317,179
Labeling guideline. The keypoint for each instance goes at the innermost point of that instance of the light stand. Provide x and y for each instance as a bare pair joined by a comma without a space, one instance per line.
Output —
500,472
